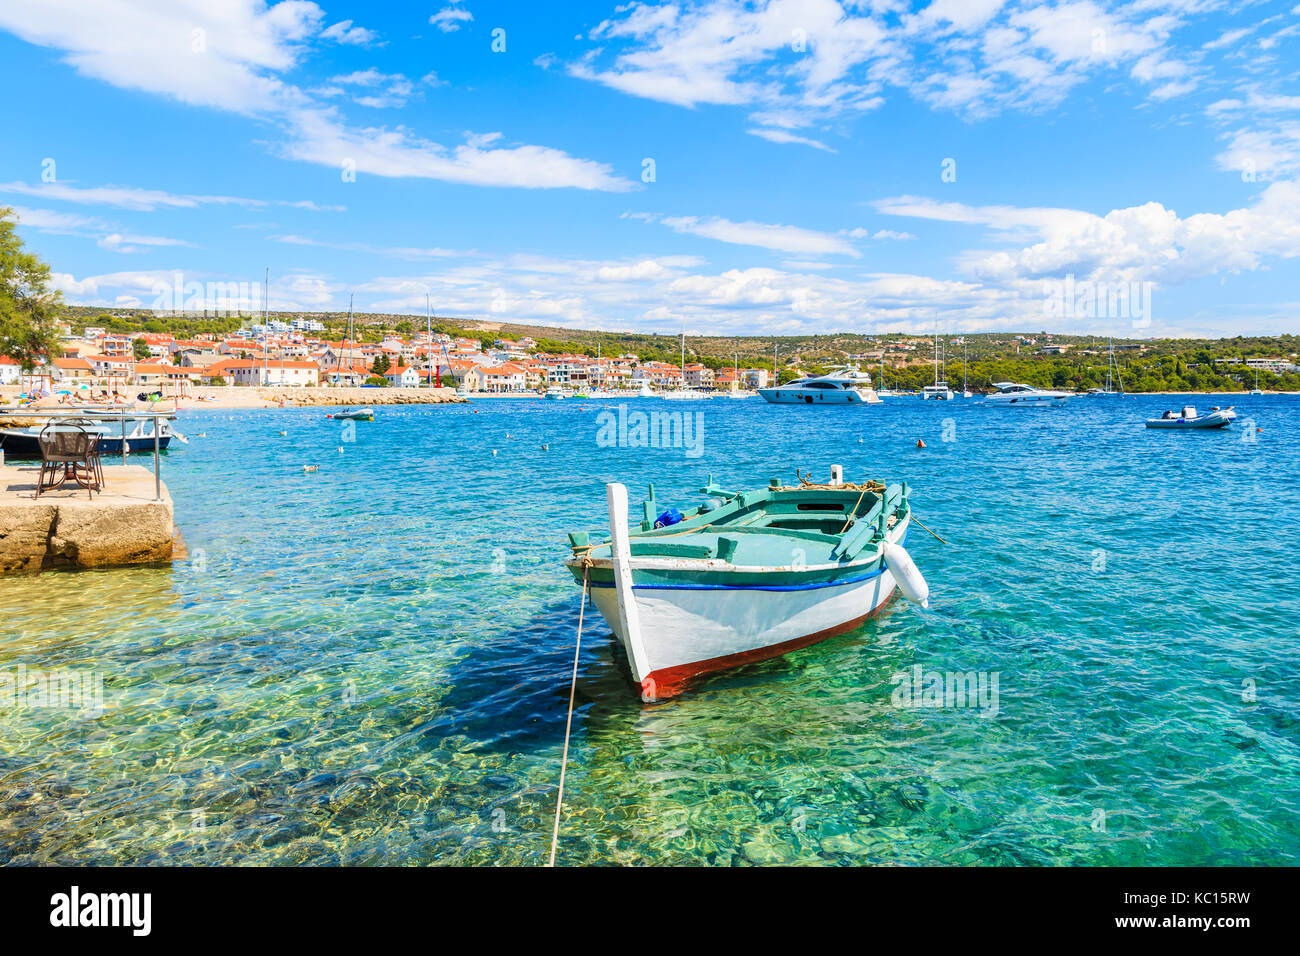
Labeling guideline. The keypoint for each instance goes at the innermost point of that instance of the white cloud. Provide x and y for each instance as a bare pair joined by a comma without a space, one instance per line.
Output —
1263,141
229,54
145,200
344,32
200,52
811,60
646,269
1146,243
763,235
319,137
47,220
71,224
116,242
781,136
450,19
1266,153
395,252
388,89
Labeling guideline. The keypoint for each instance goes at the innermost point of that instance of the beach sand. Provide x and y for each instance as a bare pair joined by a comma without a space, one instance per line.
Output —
271,397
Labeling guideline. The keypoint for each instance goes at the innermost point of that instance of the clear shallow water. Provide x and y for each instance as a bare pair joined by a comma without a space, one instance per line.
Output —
370,663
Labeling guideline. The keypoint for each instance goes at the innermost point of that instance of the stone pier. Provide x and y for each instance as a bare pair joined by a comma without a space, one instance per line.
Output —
66,528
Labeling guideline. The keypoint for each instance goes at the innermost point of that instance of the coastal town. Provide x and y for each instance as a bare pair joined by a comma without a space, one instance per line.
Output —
295,355
300,352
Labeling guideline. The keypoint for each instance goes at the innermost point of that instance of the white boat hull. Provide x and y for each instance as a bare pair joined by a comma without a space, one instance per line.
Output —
818,396
689,632
686,630
1026,400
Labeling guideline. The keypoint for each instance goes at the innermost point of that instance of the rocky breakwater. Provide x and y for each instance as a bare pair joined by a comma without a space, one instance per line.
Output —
66,528
355,396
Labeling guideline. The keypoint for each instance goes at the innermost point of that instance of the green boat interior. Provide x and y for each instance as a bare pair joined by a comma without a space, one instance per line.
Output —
774,526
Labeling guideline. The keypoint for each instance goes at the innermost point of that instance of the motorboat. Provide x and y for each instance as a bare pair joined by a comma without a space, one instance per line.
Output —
1013,393
847,385
136,432
1188,418
745,576
554,393
366,414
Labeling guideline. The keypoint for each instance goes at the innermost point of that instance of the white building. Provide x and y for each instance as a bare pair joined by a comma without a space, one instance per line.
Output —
403,376
1275,365
276,372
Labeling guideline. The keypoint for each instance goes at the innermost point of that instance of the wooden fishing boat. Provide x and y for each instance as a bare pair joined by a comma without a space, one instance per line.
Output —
745,576
1219,418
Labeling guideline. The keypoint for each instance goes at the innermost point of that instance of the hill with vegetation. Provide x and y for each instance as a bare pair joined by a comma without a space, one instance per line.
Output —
1142,365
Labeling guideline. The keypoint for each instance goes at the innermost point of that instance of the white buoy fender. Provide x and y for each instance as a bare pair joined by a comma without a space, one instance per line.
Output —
906,573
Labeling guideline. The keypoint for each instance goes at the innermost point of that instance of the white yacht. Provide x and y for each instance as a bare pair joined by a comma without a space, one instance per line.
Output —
555,393
1012,393
848,385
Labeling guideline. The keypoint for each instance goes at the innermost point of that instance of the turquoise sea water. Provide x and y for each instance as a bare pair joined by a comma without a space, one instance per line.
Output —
370,663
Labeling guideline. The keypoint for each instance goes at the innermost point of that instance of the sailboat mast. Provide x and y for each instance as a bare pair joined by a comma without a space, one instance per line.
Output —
266,325
428,337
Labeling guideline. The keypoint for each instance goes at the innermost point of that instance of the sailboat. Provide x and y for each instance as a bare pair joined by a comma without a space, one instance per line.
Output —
735,391
366,414
684,393
1110,372
939,390
882,391
965,391
1256,390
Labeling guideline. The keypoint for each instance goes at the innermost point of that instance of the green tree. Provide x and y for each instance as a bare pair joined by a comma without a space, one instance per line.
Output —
381,365
140,349
29,309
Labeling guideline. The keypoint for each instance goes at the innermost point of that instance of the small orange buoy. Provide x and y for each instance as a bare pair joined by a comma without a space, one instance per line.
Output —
919,443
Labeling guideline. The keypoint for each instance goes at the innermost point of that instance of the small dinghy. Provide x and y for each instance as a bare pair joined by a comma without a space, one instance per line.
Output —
745,576
1218,418
355,415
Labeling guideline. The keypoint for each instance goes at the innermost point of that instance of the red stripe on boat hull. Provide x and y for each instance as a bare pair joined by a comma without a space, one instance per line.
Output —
671,681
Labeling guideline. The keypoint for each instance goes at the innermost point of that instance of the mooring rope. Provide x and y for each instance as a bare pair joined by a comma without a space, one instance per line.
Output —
928,531
568,723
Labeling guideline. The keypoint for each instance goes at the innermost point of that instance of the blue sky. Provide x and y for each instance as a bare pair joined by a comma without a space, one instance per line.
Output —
798,149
